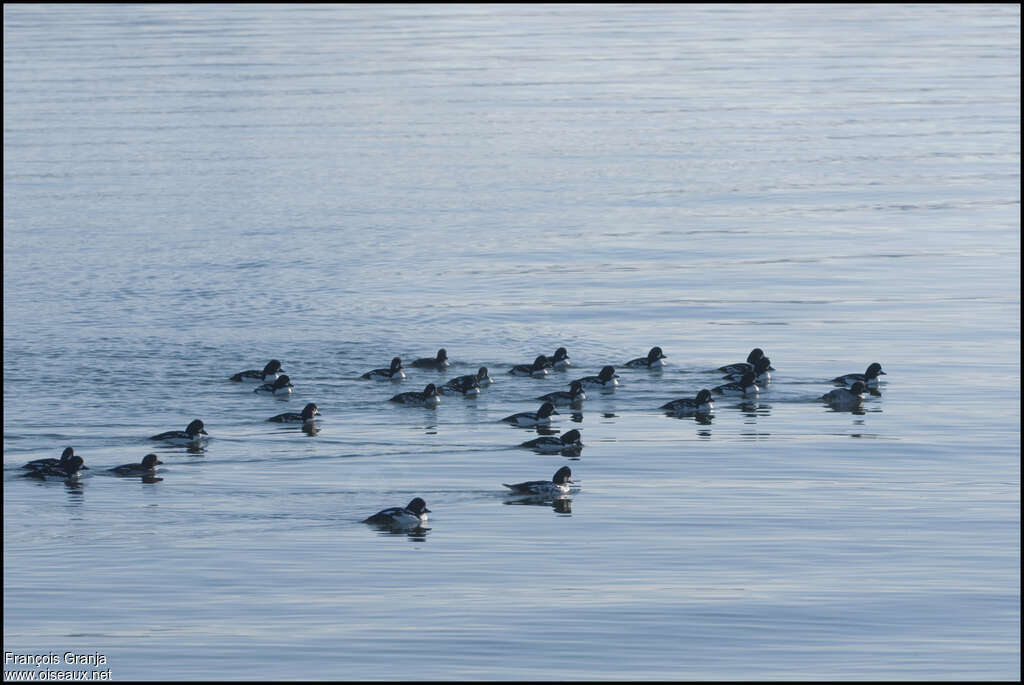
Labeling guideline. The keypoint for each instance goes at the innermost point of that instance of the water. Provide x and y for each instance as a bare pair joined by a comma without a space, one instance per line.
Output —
190,191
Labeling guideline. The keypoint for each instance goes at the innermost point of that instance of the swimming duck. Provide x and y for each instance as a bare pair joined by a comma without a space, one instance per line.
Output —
427,398
193,433
411,515
147,467
306,416
69,470
468,384
572,397
281,386
699,405
558,485
870,377
268,374
52,461
654,360
743,367
541,417
760,370
537,368
570,440
393,373
440,362
605,379
559,360
846,398
744,386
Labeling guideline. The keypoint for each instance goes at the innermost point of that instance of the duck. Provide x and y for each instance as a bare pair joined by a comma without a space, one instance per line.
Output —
654,360
572,397
392,373
427,398
69,470
870,377
558,485
147,467
483,377
440,362
268,374
306,416
192,434
605,379
761,375
466,385
559,360
570,440
846,397
52,461
701,404
541,417
281,386
537,368
743,367
743,387
411,515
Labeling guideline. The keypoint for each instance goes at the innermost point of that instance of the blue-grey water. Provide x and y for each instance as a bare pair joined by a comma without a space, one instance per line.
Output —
193,190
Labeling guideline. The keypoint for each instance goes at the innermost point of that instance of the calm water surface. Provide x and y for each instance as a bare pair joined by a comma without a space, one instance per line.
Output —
190,191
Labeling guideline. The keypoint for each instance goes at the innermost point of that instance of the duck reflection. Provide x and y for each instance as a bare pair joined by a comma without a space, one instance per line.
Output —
561,505
417,534
702,418
855,409
752,408
572,453
310,429
75,493
74,486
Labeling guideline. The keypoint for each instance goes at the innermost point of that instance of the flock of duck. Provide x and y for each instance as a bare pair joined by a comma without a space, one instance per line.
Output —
743,379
